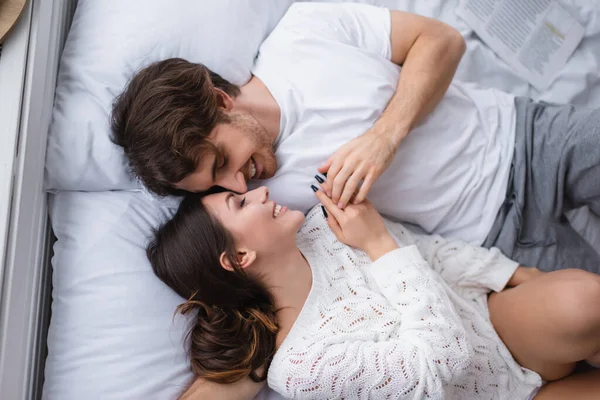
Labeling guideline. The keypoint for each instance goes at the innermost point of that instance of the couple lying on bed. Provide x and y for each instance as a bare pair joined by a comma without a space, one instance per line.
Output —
340,86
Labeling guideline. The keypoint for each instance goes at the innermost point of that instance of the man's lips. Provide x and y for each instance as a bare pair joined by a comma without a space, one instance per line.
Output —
258,169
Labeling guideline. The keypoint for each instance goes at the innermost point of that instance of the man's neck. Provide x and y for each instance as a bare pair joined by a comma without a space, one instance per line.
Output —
256,99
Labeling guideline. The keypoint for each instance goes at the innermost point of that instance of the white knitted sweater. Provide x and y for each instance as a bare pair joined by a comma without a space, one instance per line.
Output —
412,325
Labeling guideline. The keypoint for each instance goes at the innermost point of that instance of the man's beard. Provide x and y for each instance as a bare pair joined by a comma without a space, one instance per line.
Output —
260,139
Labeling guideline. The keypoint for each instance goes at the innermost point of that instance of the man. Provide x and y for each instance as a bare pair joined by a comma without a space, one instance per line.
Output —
365,95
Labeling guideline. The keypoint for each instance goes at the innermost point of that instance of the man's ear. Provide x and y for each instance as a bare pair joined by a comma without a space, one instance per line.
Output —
245,259
225,101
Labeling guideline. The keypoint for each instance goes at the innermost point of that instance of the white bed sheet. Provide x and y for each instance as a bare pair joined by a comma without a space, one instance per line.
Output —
117,224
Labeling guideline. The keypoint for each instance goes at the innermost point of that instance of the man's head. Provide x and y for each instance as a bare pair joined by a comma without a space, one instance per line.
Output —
179,127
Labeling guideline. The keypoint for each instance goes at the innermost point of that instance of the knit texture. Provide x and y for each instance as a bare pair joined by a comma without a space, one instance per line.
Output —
412,325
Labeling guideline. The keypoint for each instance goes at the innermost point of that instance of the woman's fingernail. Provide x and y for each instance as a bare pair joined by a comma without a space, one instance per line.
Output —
324,211
314,188
319,179
325,174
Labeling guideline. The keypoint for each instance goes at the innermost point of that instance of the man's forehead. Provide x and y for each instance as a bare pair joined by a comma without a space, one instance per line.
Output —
200,179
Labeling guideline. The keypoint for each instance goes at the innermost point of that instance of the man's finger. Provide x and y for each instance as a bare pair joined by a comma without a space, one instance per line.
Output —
350,189
340,181
330,206
333,171
364,189
325,166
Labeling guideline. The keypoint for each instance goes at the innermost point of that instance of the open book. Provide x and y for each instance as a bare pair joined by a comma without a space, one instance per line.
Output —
535,37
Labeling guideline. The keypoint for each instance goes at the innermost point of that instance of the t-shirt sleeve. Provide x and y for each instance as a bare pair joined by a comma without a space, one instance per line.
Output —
360,25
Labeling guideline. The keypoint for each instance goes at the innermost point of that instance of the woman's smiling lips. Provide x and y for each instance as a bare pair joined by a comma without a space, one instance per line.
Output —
278,210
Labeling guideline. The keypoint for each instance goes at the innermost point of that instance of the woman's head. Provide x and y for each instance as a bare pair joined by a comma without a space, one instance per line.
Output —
260,228
214,252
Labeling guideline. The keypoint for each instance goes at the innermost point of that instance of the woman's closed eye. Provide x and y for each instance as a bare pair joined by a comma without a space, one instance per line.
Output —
243,202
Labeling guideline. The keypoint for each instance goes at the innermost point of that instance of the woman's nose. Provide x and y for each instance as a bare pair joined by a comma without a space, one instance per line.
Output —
260,194
265,193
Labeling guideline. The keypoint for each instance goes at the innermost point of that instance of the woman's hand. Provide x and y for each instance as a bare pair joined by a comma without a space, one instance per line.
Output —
523,274
363,159
359,226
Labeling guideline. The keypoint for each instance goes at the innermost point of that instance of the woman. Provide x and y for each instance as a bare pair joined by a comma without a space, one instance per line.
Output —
294,301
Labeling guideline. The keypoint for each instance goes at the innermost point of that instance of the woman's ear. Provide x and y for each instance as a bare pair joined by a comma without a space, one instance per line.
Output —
245,259
225,263
225,101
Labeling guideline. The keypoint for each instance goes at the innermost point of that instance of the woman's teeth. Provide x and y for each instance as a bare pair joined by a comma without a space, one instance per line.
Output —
276,211
252,169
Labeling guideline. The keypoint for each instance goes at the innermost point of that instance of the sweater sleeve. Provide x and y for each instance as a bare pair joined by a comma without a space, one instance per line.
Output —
466,266
427,350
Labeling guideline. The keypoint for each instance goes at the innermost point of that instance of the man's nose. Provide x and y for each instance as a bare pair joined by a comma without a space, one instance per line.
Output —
234,182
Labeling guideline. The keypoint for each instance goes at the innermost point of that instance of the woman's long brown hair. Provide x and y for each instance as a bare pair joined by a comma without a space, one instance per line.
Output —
234,330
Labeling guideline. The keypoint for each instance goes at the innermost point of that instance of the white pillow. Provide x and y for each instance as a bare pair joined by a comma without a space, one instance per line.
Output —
113,335
109,41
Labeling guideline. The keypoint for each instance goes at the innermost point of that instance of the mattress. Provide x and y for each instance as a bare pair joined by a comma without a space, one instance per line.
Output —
101,238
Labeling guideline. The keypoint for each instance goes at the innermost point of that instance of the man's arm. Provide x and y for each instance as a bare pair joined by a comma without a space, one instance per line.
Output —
202,389
429,52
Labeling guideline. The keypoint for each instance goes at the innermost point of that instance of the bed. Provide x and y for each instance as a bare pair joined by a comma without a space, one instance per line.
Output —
113,334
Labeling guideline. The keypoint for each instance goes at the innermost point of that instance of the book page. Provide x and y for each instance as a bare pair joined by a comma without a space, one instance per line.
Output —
534,37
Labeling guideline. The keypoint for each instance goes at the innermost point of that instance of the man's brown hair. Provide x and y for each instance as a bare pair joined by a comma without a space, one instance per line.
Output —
163,118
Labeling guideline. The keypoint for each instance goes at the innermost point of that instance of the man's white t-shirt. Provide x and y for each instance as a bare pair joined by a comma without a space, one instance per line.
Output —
328,67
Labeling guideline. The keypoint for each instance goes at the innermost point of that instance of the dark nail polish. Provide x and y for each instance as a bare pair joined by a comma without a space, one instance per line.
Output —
325,174
314,188
319,179
324,211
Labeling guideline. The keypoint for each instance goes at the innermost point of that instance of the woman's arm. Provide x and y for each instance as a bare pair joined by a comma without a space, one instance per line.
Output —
427,350
202,389
464,265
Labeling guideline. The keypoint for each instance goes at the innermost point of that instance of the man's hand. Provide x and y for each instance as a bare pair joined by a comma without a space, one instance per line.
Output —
363,159
429,52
